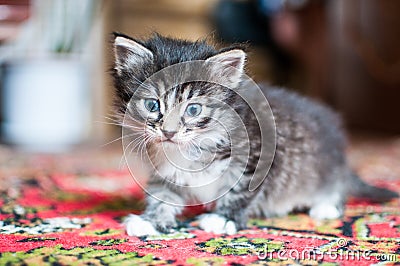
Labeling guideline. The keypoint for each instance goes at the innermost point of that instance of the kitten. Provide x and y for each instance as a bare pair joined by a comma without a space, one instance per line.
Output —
308,168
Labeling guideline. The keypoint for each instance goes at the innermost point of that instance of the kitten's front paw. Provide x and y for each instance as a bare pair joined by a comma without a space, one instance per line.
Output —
217,224
324,211
136,226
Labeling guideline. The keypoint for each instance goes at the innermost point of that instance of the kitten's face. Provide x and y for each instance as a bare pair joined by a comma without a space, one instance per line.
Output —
181,116
190,116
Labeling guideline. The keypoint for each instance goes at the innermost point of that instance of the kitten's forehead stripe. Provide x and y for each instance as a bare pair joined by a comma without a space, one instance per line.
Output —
186,90
171,98
190,94
184,87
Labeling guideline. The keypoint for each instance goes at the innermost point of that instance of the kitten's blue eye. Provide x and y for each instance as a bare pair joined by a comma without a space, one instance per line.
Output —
152,105
193,109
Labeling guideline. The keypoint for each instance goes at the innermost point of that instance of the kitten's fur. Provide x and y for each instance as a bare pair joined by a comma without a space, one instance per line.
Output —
309,170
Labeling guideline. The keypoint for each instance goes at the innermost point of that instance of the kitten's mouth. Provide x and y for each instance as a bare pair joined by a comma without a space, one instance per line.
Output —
166,141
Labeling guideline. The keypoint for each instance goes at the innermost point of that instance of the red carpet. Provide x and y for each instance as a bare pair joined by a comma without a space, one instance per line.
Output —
67,210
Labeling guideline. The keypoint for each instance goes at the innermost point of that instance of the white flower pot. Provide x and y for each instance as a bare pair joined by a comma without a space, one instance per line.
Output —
46,104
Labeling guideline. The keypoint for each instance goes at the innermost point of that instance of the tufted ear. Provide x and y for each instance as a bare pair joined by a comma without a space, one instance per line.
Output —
230,65
130,54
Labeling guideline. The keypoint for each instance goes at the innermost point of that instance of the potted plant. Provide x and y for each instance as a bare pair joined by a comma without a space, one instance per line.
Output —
46,80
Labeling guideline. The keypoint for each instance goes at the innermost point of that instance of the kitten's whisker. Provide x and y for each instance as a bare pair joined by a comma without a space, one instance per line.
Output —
108,123
120,124
132,149
117,139
113,119
139,141
144,146
133,125
136,142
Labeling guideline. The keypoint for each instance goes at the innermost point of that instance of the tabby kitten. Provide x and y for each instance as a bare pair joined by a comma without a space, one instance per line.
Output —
195,136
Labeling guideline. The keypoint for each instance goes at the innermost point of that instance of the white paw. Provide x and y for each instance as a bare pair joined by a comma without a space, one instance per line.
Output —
217,224
136,226
324,211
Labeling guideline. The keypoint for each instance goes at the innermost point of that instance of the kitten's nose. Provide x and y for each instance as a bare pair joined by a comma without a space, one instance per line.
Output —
168,134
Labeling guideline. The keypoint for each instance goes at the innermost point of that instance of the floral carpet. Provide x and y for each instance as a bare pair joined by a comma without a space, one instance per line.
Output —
67,210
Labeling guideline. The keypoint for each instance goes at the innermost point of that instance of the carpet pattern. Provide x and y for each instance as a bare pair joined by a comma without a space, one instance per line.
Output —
67,210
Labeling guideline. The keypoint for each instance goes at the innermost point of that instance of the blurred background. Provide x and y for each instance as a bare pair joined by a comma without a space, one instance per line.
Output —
55,56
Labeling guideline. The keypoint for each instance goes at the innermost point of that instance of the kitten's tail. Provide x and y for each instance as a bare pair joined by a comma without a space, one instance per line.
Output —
359,189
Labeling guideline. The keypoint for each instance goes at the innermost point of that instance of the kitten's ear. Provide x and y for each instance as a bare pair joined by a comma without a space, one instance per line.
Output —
230,64
129,54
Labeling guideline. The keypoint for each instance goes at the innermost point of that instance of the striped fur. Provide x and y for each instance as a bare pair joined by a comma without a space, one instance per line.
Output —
309,170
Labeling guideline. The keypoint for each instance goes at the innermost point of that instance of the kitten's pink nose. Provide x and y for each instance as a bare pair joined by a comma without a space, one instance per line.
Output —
168,134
